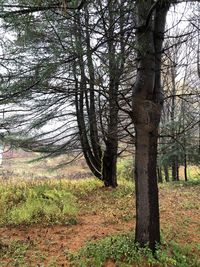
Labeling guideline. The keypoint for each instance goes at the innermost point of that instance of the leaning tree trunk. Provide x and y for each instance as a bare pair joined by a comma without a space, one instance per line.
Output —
102,164
147,105
90,153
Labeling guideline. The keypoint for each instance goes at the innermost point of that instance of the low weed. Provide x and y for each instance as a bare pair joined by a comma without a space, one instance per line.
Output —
122,250
43,203
82,187
125,169
14,253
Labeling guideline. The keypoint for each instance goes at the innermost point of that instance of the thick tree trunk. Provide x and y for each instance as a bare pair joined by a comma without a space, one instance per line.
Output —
109,171
147,207
147,105
109,168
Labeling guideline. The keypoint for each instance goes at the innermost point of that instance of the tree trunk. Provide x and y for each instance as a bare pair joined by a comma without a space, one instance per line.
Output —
147,105
175,169
109,170
110,165
90,152
185,168
166,172
159,174
147,207
92,114
102,164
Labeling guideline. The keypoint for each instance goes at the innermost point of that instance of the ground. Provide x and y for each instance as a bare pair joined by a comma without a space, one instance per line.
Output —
101,212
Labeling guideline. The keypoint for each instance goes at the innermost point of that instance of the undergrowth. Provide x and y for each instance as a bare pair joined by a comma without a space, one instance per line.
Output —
61,201
44,203
122,250
125,169
50,201
14,253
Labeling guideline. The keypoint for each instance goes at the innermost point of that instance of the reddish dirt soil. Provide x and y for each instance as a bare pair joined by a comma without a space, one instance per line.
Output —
54,241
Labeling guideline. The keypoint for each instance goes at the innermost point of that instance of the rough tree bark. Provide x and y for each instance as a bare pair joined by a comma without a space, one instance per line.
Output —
147,105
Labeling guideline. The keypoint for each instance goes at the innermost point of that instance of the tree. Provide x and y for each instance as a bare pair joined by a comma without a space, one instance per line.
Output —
178,129
72,78
93,93
147,105
103,159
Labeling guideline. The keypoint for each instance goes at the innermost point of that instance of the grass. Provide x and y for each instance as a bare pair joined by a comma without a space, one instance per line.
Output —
14,254
36,203
125,170
123,251
40,202
63,202
31,208
28,168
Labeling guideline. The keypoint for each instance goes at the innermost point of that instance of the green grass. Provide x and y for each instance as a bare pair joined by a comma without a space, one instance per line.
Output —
62,201
125,168
49,201
36,203
14,254
122,250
